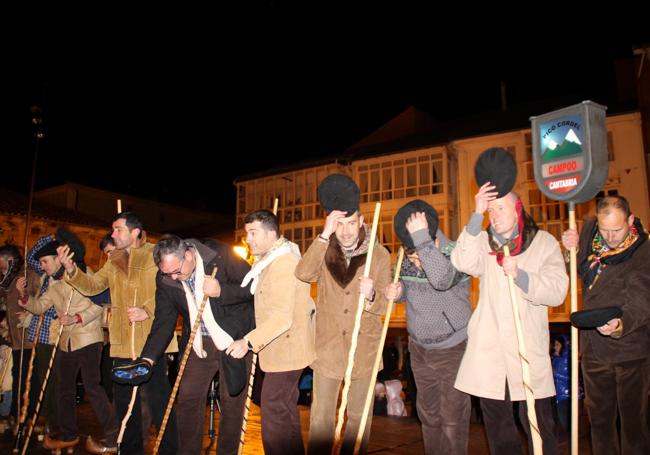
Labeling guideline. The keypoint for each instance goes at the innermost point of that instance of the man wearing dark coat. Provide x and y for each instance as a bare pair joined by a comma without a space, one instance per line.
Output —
183,278
614,264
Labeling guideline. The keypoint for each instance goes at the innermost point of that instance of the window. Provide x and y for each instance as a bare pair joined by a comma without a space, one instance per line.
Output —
528,158
420,174
241,198
545,210
610,147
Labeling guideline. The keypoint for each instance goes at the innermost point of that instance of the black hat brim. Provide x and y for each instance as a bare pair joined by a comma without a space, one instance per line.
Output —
49,249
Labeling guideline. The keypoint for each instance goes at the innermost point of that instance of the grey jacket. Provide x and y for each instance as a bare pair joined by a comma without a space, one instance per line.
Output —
437,295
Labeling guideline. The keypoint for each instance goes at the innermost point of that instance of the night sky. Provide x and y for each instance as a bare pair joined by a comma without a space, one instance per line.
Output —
269,83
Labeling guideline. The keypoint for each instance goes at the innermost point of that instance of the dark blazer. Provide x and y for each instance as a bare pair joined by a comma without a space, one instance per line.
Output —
625,285
233,309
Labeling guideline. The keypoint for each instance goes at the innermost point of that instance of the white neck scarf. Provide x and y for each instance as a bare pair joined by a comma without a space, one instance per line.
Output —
286,247
219,336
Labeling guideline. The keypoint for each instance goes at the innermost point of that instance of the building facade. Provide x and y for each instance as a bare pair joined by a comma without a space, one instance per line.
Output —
443,176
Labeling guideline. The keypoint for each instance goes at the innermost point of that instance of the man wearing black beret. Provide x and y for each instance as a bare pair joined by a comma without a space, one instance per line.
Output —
335,260
437,299
614,264
491,368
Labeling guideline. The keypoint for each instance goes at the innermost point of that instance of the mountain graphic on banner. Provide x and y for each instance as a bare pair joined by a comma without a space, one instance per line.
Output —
569,146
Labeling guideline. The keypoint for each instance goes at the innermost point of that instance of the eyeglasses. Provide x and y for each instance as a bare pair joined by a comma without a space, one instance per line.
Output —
177,271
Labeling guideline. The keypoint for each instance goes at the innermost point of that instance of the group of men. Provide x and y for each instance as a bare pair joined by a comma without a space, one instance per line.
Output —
267,309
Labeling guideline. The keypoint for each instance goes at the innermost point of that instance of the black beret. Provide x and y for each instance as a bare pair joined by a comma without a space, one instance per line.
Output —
338,192
49,249
66,237
496,165
407,210
590,319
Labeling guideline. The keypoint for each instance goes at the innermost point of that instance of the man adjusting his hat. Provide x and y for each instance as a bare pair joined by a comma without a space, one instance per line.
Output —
491,368
335,260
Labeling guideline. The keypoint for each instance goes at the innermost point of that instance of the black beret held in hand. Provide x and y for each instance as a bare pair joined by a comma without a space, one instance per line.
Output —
338,192
403,215
590,319
497,166
65,237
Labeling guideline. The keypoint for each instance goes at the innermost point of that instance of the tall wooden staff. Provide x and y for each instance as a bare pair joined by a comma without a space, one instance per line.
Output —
251,380
525,366
573,270
37,123
134,392
181,369
28,383
355,333
378,357
571,164
47,376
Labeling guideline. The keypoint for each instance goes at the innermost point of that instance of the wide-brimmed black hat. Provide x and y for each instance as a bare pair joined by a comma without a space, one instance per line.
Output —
407,210
338,192
590,319
49,249
497,166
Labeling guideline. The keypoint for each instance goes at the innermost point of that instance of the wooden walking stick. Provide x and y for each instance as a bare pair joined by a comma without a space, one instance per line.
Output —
247,406
134,392
20,372
378,357
573,266
28,382
251,380
355,333
181,369
47,376
525,366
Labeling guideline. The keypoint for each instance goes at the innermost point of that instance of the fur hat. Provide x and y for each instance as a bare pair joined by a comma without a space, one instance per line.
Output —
338,192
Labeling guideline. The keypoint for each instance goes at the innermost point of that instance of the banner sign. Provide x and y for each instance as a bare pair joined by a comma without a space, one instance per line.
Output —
570,152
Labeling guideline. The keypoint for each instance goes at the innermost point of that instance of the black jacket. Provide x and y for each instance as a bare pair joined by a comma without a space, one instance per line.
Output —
233,309
625,285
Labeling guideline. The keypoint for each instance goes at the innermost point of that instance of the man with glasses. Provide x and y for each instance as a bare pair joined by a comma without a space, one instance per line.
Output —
437,300
130,274
183,280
